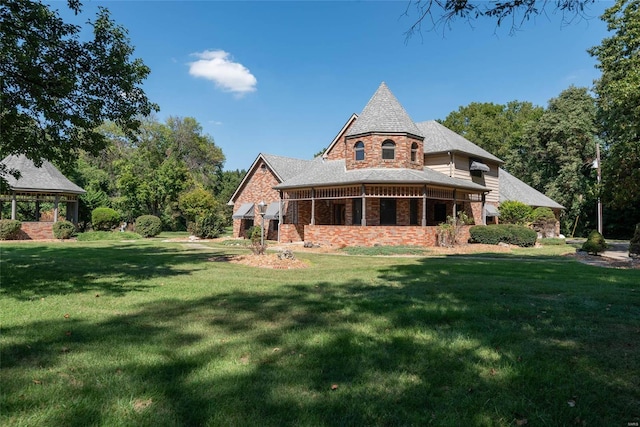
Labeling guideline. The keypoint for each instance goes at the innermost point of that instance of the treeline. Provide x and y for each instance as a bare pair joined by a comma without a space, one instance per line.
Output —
170,170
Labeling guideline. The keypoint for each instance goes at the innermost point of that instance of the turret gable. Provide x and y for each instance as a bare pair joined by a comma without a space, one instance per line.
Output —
384,114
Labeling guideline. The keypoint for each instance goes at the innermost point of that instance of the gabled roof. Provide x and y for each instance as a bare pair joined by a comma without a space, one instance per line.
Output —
46,178
439,139
334,172
282,167
383,114
511,188
340,134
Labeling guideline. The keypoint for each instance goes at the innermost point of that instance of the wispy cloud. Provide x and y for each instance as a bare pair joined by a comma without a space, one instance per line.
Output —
219,67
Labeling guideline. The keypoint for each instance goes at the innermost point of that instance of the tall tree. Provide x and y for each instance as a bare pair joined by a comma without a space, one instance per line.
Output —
556,157
618,99
496,128
57,89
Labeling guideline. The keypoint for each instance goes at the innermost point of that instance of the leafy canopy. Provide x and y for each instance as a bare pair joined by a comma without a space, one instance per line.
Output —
56,88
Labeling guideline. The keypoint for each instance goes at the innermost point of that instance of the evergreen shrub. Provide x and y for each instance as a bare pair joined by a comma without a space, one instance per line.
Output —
208,226
634,244
104,218
595,243
503,233
514,212
148,225
64,230
9,229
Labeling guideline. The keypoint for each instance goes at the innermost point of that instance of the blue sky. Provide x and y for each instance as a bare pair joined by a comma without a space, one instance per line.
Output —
283,77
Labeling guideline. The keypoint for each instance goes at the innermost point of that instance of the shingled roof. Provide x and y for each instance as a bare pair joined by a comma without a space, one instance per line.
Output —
511,188
334,172
383,114
440,139
46,178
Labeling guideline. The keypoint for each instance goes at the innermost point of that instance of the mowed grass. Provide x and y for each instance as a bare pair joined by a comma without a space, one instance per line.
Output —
153,333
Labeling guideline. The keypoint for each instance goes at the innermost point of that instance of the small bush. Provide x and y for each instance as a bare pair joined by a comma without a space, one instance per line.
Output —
503,233
104,219
255,234
634,244
64,230
208,226
595,243
148,225
9,229
514,212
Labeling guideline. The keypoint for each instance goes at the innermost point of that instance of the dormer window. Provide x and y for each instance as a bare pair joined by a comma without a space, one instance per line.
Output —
477,168
388,150
359,150
414,151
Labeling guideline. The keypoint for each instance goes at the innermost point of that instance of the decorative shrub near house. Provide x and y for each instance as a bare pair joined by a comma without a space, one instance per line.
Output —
503,233
514,212
63,230
9,229
148,225
595,243
104,219
634,244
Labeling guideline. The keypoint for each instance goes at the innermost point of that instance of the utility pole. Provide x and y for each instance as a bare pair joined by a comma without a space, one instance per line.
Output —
599,187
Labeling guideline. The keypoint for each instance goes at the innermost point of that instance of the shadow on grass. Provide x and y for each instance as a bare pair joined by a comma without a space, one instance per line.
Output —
444,342
30,272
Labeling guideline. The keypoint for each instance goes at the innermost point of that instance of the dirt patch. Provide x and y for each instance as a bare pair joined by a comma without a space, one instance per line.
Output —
262,261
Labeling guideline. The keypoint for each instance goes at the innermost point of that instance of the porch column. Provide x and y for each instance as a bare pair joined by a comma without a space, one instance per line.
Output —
363,221
14,206
55,208
313,206
424,206
75,211
280,207
455,199
484,212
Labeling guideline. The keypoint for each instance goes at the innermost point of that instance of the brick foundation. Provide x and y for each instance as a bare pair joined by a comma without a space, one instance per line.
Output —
344,235
36,231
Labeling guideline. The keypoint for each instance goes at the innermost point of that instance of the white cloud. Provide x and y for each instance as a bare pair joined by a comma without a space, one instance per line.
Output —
218,66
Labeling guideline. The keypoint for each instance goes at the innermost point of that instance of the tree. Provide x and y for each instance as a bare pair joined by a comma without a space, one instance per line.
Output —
618,98
515,12
558,152
57,89
496,128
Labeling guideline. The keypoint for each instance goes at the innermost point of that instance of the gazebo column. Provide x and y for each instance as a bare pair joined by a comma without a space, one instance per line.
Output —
363,221
455,200
55,208
14,206
37,213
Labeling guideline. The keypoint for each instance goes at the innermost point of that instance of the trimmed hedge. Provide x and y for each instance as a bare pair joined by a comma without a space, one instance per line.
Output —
148,225
64,230
503,233
104,219
9,229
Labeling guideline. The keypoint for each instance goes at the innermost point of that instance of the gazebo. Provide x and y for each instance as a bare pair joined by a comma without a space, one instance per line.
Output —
44,184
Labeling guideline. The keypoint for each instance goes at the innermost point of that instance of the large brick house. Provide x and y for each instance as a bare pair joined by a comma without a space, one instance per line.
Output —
384,179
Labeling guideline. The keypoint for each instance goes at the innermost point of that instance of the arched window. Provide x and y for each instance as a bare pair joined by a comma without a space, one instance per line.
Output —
359,149
414,151
388,149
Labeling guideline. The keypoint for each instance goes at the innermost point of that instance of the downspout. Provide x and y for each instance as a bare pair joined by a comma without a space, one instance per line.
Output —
280,207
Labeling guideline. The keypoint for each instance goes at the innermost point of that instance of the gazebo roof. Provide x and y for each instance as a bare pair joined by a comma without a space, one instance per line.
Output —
44,179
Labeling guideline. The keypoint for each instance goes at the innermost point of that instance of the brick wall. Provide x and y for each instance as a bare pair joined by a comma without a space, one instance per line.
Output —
381,235
373,152
36,231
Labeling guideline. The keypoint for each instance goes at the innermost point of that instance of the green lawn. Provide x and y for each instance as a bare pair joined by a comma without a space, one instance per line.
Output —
152,333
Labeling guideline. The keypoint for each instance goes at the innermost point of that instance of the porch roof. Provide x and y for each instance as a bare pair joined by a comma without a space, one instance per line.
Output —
335,173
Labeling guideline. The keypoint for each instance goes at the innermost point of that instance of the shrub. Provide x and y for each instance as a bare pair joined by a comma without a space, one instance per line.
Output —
595,243
514,212
104,219
9,229
64,230
543,221
634,244
148,225
503,233
255,234
448,232
207,226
